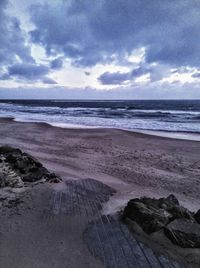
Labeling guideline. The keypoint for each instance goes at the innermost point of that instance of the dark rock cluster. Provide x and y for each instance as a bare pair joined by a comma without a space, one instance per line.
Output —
184,233
18,168
180,225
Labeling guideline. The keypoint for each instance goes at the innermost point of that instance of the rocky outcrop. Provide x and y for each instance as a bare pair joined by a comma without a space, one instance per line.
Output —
179,224
153,214
150,218
184,233
18,168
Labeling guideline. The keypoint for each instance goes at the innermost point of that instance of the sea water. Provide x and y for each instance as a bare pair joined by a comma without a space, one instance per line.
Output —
160,117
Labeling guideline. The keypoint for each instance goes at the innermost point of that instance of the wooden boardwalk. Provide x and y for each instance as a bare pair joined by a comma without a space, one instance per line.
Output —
107,239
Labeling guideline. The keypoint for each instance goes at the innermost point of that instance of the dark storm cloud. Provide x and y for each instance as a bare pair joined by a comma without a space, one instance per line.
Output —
28,71
12,41
90,33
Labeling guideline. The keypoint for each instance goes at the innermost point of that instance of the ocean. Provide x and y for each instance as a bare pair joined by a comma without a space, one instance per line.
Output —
169,117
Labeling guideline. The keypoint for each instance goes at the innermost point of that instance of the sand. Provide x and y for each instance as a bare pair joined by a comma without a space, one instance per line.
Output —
134,164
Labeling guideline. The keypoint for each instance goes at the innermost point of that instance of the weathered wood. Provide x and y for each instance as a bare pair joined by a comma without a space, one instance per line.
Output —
176,265
152,258
166,263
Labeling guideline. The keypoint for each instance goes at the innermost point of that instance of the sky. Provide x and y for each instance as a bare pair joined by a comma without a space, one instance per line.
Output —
101,49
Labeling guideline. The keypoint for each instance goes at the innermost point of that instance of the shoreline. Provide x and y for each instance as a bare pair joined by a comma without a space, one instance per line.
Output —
177,135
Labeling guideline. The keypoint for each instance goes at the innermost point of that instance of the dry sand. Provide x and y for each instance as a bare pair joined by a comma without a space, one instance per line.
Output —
134,164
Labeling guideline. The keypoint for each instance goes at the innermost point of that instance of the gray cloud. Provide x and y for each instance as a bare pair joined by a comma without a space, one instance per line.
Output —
28,71
141,70
196,75
156,73
116,78
15,54
57,64
12,40
87,73
4,76
90,33
49,81
104,31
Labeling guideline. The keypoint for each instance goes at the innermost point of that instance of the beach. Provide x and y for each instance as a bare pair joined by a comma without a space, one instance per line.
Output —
133,164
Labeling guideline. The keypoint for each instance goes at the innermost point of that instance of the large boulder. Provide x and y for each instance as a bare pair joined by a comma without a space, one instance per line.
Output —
17,168
184,233
154,214
149,217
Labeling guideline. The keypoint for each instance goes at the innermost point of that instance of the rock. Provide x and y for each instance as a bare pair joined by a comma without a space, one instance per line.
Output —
184,233
169,201
197,216
171,205
149,216
14,181
10,178
17,168
8,149
52,177
2,180
179,212
154,214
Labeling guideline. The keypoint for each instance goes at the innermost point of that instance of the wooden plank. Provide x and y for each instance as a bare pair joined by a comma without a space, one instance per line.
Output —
138,253
177,265
123,246
166,263
153,260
